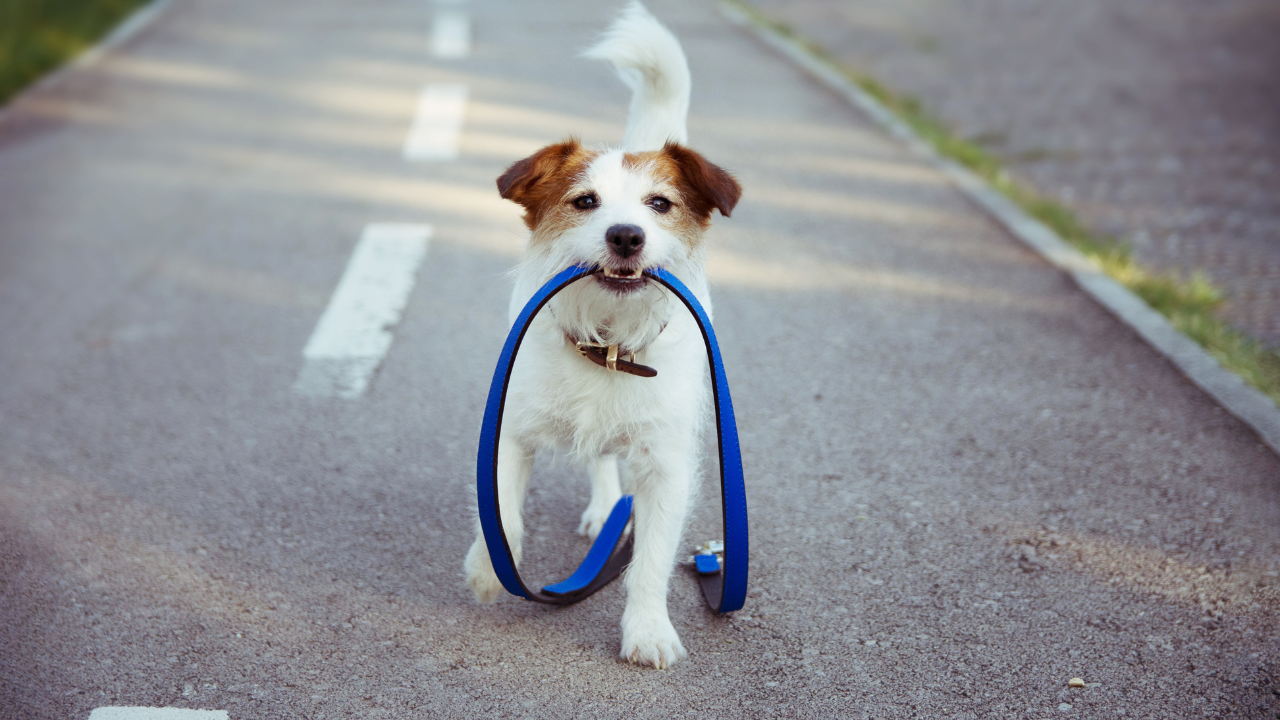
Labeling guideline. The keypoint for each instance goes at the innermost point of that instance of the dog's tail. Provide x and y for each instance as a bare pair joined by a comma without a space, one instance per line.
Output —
650,61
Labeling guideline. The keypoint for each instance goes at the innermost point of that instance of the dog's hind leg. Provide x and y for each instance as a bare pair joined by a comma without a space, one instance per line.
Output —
515,463
605,491
663,483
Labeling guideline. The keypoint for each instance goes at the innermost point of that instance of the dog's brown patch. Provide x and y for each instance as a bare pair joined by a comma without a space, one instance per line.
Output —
695,187
702,186
539,182
543,183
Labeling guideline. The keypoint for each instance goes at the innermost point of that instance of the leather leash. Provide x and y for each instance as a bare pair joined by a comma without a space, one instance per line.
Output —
722,567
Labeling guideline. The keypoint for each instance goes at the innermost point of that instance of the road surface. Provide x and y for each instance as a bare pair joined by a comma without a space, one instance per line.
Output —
968,484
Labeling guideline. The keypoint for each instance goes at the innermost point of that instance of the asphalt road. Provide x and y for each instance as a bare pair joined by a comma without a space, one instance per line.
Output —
1155,120
967,483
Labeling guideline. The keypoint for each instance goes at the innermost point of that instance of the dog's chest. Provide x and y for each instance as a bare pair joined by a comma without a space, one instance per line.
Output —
562,399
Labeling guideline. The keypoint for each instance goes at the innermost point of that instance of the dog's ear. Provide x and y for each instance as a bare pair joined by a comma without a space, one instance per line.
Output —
537,180
706,187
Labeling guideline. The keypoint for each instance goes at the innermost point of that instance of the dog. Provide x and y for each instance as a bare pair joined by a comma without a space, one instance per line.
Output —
644,205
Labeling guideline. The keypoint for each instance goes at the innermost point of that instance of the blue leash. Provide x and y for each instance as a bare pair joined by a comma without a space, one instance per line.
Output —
724,585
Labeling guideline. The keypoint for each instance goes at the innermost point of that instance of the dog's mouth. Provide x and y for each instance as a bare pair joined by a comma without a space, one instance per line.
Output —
622,281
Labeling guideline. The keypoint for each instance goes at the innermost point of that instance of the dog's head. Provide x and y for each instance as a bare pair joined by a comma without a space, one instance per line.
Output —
625,212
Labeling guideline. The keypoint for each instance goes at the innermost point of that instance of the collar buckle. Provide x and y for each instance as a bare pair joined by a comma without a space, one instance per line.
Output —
585,349
611,358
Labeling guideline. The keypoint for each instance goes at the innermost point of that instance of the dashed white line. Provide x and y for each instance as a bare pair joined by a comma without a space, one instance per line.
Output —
354,333
151,713
451,35
437,124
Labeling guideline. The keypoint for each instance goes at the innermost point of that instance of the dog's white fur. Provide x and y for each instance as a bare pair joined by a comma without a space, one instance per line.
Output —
557,399
649,60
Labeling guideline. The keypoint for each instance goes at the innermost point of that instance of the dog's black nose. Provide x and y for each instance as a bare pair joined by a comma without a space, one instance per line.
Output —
625,240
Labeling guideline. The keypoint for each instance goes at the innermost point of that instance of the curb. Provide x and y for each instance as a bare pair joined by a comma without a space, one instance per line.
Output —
1226,388
127,30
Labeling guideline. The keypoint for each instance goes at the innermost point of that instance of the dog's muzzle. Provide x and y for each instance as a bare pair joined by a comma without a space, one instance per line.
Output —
623,281
623,274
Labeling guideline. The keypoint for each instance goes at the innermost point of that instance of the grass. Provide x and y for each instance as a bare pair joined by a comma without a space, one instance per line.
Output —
37,36
1191,304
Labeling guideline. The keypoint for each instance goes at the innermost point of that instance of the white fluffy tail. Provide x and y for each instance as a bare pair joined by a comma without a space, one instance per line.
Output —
650,61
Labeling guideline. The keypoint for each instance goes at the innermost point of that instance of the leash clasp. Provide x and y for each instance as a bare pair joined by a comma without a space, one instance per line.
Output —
708,557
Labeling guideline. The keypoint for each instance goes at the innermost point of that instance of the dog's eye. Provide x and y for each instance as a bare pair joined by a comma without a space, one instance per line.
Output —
586,202
660,204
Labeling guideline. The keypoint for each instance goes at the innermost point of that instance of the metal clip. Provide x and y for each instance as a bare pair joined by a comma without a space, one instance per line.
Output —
708,557
711,547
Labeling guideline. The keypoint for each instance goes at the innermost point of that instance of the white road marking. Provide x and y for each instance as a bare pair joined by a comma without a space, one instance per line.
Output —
150,713
437,125
451,35
354,333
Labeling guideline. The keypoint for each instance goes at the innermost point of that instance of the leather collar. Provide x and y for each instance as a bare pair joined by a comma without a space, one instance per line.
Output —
609,357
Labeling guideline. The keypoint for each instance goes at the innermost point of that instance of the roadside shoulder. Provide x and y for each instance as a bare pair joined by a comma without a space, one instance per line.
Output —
1251,406
129,28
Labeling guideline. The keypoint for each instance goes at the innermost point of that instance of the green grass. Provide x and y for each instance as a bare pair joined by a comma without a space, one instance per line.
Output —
1191,304
37,36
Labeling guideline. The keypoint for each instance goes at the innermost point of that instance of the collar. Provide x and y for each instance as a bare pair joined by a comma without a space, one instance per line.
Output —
609,357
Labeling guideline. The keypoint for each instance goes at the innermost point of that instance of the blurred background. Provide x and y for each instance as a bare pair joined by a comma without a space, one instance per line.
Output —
36,36
1158,121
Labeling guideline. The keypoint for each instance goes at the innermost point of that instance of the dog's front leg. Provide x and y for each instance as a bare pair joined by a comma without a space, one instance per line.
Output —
663,482
605,491
515,463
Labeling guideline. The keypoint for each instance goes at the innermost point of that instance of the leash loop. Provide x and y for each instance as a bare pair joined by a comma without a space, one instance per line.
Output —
725,588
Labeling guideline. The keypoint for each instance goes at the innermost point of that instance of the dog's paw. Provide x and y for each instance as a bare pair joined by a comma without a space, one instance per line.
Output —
479,572
652,642
593,519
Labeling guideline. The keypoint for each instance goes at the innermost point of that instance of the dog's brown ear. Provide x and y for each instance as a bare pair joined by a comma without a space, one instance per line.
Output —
540,178
706,187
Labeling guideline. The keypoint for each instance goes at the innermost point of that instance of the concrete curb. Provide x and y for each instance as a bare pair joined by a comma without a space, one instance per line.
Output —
127,30
1228,389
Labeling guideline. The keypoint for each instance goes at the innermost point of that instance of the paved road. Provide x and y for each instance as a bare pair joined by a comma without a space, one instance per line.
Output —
968,484
1156,119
